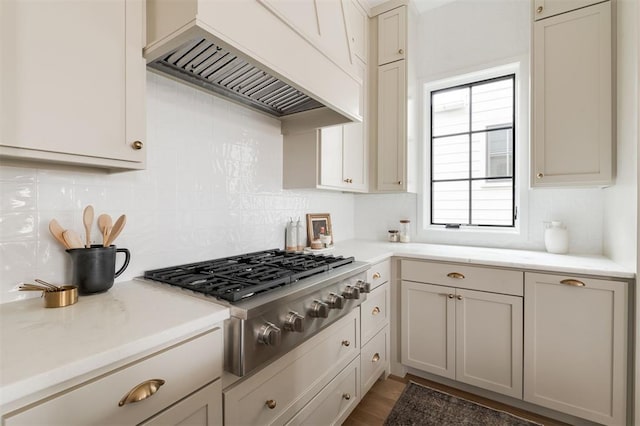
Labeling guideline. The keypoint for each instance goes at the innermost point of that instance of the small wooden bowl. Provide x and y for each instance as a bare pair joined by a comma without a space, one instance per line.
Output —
68,295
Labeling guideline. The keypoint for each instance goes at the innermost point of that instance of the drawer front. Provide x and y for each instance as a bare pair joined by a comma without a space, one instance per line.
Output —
374,359
203,356
375,312
379,273
276,393
464,276
335,402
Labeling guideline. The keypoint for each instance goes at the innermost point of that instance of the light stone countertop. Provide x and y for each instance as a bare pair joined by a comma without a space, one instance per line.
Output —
376,251
44,351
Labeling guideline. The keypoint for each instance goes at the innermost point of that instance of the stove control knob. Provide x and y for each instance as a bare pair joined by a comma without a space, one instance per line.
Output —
269,335
319,309
351,292
294,322
363,286
335,301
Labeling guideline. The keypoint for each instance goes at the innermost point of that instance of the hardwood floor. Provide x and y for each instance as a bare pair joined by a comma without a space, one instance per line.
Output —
378,402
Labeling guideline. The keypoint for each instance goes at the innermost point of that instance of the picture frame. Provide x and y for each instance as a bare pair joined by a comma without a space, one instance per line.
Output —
316,223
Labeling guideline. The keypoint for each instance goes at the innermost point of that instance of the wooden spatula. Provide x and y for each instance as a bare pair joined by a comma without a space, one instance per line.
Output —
105,224
87,220
72,239
115,231
57,230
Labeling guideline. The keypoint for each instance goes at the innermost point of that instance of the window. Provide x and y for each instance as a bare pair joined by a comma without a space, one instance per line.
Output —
472,154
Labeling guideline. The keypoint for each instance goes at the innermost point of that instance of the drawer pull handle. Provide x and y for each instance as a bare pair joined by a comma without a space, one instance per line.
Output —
143,391
455,275
346,343
459,297
271,403
376,275
375,311
574,283
346,396
375,358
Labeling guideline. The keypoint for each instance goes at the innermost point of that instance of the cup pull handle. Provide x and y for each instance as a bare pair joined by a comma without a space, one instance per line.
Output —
143,391
376,275
455,275
375,311
575,283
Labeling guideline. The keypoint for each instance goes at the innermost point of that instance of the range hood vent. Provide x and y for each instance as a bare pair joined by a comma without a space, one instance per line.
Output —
209,66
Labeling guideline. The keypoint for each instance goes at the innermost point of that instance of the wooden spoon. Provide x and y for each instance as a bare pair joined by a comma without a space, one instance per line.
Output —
87,219
105,224
72,239
57,230
117,228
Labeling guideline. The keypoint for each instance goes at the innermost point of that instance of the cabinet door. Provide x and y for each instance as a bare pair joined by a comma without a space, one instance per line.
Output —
392,35
72,81
331,156
428,328
358,22
547,8
572,129
203,408
489,341
392,128
575,346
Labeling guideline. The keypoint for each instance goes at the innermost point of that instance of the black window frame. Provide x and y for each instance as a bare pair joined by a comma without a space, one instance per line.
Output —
470,132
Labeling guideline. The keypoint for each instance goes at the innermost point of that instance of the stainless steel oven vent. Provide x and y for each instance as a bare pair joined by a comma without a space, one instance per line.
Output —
207,65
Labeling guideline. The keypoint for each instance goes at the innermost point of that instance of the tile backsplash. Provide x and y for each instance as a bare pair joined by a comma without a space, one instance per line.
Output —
212,188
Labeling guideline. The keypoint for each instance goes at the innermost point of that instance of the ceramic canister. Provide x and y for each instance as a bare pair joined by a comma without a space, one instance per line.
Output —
556,238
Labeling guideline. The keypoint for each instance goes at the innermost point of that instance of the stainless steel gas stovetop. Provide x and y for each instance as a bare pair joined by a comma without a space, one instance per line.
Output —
277,299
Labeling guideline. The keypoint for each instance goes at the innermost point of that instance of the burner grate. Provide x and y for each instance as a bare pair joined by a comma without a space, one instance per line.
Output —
238,277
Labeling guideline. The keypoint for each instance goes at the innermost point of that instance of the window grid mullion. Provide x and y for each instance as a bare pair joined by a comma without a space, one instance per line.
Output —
470,134
470,155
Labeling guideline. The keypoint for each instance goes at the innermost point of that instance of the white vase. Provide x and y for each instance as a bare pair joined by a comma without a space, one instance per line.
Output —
556,238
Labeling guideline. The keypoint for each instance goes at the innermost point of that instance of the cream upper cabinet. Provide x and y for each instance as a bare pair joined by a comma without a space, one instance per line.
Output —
72,82
392,35
334,157
575,358
572,98
546,8
461,333
392,127
357,30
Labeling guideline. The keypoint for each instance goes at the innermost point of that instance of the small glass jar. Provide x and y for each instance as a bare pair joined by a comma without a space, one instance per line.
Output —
394,236
405,231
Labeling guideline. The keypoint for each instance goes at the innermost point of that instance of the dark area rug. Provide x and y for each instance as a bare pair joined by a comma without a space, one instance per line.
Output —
420,405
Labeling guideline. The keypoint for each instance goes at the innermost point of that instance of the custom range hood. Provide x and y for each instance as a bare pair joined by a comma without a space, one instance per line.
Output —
243,51
205,64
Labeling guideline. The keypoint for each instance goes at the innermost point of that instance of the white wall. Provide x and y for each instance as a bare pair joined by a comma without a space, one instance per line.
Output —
620,200
212,188
466,36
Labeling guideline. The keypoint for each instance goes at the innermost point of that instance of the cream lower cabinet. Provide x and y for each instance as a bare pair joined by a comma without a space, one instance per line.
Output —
317,382
189,394
203,408
72,82
575,358
470,336
375,316
464,323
